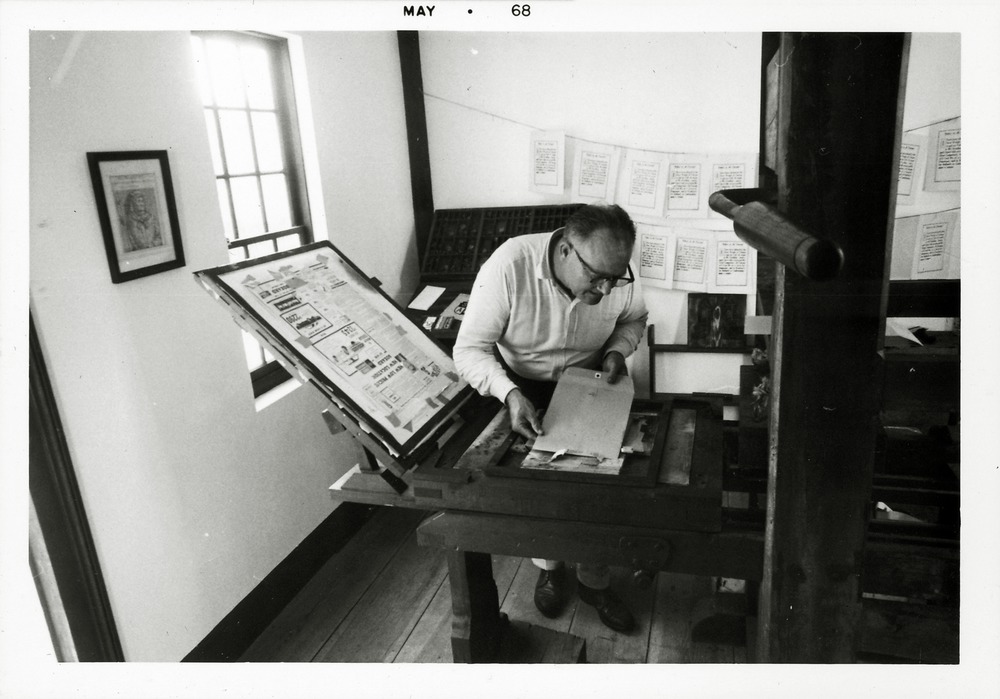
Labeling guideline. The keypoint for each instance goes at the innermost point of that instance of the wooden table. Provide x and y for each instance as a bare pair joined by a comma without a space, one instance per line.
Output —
675,525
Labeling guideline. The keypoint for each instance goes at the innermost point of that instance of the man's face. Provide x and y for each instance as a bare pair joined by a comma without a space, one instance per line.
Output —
593,265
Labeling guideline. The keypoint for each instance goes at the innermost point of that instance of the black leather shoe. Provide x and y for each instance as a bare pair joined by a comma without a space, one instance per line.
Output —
613,612
550,592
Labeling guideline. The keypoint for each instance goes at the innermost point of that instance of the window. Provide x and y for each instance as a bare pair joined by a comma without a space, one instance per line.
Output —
246,91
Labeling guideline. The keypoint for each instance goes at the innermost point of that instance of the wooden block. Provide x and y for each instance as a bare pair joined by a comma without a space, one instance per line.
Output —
358,485
526,643
917,632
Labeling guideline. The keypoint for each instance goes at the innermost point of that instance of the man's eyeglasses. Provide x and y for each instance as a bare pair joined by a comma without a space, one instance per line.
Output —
598,279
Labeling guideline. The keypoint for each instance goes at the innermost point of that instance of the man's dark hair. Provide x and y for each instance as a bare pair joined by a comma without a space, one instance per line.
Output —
587,219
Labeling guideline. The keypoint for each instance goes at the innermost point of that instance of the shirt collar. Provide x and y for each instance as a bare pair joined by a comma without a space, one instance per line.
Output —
544,268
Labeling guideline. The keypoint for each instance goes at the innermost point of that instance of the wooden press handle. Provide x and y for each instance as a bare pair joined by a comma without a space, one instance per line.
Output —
765,229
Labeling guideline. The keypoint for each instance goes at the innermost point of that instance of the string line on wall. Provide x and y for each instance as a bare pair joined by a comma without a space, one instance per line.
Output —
930,213
536,128
927,126
494,115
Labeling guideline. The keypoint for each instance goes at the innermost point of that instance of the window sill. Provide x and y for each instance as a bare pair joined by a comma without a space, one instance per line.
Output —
272,396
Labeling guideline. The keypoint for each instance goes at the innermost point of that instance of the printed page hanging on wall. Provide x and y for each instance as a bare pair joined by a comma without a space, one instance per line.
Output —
595,172
548,156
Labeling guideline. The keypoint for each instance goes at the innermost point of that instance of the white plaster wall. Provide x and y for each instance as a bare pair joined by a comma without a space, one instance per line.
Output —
192,496
933,94
934,79
357,97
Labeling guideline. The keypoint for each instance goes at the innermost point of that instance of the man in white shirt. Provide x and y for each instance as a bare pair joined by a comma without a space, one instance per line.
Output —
542,303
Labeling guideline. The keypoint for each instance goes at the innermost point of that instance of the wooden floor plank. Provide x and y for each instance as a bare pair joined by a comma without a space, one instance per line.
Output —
677,596
301,629
384,598
505,569
382,620
430,641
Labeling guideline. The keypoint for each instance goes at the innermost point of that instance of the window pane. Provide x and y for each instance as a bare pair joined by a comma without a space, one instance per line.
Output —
201,69
227,216
288,242
237,255
265,134
251,348
224,67
236,141
213,141
276,202
246,201
257,68
261,249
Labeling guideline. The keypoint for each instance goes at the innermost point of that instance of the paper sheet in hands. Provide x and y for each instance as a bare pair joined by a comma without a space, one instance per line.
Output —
587,415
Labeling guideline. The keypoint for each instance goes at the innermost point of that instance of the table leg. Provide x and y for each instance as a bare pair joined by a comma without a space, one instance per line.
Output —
477,624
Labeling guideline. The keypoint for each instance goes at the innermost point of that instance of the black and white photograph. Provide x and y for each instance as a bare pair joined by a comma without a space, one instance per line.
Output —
291,290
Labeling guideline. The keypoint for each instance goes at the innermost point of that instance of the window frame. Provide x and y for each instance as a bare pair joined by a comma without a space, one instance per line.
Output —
270,373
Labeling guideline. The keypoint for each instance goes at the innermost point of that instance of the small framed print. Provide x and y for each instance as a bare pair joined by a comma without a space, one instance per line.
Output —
135,202
717,320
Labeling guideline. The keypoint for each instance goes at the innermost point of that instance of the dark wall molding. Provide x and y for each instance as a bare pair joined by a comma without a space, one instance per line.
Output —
416,136
63,521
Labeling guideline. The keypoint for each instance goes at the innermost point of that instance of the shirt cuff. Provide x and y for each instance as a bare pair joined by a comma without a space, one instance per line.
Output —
621,346
501,387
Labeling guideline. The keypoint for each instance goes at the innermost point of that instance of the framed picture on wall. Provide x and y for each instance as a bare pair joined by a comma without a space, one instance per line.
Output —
717,320
135,203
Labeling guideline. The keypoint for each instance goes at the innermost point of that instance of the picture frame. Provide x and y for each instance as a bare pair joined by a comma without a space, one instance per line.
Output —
138,214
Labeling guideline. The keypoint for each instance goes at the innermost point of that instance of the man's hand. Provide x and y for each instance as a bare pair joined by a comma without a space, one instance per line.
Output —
523,417
614,366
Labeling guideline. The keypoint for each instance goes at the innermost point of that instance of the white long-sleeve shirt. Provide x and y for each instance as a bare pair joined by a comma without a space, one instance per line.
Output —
517,305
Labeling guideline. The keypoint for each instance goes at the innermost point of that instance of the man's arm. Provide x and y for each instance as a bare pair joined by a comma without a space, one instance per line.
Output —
484,322
627,334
